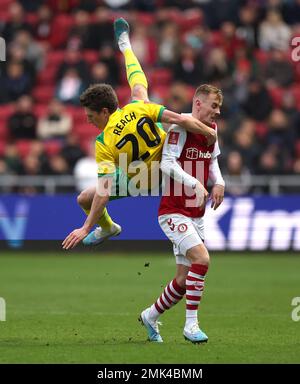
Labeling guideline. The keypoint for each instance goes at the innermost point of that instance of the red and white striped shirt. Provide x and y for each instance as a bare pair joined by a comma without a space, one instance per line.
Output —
189,152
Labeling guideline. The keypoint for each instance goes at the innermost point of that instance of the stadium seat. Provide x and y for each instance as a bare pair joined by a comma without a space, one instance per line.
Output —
54,58
90,56
5,111
3,131
47,76
192,18
160,93
4,15
43,94
31,18
123,94
85,131
62,24
40,110
160,76
52,147
77,113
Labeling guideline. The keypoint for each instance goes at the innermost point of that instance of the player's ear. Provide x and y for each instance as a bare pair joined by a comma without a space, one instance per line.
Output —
105,111
198,103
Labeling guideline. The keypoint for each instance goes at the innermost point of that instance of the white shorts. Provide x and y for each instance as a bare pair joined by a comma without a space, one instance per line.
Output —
184,232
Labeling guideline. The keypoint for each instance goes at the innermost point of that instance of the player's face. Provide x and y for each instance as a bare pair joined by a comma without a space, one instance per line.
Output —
99,119
208,108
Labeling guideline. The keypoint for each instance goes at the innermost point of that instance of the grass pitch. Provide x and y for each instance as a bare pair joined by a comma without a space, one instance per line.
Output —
83,308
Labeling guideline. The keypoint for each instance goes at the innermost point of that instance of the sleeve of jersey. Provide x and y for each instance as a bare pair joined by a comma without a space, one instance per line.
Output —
155,111
216,151
173,147
105,160
215,174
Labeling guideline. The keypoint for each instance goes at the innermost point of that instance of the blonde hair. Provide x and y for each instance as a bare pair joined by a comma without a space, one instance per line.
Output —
207,89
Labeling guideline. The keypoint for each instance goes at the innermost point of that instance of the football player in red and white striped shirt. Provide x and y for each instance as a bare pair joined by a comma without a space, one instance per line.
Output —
187,164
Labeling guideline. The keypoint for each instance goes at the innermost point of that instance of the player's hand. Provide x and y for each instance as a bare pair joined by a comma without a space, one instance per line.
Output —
217,196
211,136
74,238
201,195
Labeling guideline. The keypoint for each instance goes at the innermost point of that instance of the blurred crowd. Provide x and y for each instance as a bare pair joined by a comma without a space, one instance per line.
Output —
56,48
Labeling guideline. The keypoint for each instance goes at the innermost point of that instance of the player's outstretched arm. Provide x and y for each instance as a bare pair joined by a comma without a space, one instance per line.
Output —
100,200
135,74
190,124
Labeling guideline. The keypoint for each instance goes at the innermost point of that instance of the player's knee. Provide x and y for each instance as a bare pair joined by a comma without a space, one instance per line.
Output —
83,200
198,255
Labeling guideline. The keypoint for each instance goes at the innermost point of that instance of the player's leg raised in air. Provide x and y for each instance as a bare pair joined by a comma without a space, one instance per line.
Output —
138,84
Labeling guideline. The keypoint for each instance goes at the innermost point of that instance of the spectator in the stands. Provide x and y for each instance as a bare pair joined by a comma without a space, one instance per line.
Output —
43,28
292,12
216,66
219,11
31,5
34,52
269,163
37,149
72,151
281,137
108,57
243,142
58,165
235,167
85,169
16,22
118,4
247,29
189,68
70,87
258,104
73,60
80,32
65,6
100,73
143,44
169,44
274,33
279,71
88,5
101,31
289,107
178,99
229,40
14,83
22,123
56,124
12,159
17,54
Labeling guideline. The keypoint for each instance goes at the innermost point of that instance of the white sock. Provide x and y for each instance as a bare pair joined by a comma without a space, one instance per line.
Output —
124,42
153,313
190,321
